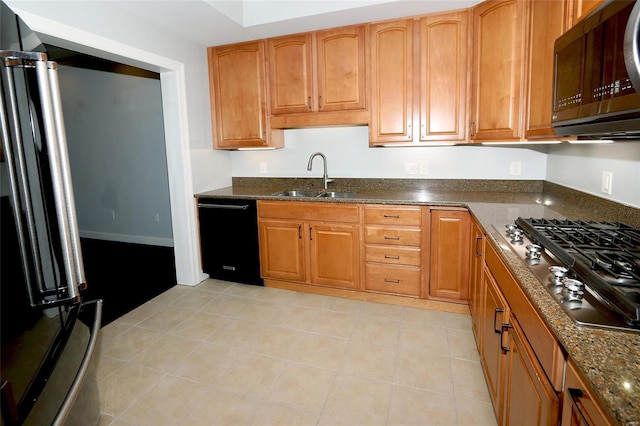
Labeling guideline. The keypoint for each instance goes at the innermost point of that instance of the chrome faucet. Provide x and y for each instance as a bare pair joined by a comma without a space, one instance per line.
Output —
325,178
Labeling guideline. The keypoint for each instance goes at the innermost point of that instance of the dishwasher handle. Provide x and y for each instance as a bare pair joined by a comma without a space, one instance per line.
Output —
223,206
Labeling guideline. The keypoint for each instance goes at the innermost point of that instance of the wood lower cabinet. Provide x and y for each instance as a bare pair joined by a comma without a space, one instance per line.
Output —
579,406
476,287
499,36
310,243
529,399
521,359
449,273
239,93
393,250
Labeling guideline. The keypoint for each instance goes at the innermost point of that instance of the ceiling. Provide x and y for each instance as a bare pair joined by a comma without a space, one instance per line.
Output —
213,22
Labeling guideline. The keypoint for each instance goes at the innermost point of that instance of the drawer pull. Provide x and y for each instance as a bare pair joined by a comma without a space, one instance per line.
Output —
387,256
392,238
387,280
576,394
392,216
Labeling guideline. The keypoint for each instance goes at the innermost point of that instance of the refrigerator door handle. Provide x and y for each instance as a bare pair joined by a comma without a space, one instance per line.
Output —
53,145
67,185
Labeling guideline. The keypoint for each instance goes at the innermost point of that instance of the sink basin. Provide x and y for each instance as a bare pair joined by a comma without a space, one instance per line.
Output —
310,193
338,194
298,193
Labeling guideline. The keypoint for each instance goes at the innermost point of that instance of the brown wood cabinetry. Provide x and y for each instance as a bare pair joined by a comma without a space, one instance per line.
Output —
499,36
238,83
419,81
576,10
579,407
450,235
476,287
522,360
318,72
547,21
310,242
393,249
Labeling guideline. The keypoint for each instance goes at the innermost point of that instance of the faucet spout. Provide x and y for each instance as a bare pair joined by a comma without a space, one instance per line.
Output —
325,178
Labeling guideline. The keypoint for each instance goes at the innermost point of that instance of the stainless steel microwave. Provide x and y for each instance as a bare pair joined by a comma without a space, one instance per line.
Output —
597,74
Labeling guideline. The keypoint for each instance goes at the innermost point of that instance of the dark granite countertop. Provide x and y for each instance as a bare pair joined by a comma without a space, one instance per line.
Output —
609,360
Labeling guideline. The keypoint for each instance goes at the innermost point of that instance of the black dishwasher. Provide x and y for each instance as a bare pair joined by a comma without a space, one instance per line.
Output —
229,239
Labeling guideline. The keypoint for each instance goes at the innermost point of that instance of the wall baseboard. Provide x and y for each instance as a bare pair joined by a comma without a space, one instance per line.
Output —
126,238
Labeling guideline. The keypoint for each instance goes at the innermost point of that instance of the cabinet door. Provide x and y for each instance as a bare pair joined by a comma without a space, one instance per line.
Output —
546,23
450,236
341,69
579,407
291,74
580,9
282,250
237,77
499,29
392,69
444,55
529,399
334,255
495,313
476,285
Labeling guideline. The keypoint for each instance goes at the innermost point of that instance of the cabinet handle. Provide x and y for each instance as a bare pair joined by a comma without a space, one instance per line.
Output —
504,328
386,256
309,103
392,216
311,233
300,231
495,315
473,128
576,394
320,102
392,238
478,239
387,280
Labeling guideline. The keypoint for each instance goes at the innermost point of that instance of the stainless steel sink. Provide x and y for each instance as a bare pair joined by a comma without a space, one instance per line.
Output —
338,194
310,193
298,193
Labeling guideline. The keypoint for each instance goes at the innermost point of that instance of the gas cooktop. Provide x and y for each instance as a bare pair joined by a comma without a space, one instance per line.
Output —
592,269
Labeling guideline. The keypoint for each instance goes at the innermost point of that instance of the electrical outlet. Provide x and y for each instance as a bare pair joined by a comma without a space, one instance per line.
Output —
112,214
410,168
607,182
263,167
423,167
156,217
515,168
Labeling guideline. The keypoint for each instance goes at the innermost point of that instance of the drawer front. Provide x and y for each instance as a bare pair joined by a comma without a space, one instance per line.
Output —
321,212
393,279
394,255
394,236
393,215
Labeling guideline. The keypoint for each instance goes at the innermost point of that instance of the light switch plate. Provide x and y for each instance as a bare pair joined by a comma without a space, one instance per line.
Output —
607,182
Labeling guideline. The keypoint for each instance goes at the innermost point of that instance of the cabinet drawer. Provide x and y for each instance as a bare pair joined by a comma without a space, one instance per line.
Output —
394,236
321,212
393,279
393,215
393,255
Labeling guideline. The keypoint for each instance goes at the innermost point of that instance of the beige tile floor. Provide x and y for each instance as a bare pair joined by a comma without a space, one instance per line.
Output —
223,353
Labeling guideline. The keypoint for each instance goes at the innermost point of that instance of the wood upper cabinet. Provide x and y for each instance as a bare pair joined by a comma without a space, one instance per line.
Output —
419,79
499,35
324,71
443,78
579,407
450,246
392,71
576,10
547,21
310,243
237,79
529,398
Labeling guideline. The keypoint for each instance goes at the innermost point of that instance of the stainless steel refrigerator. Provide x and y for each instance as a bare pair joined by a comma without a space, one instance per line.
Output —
49,332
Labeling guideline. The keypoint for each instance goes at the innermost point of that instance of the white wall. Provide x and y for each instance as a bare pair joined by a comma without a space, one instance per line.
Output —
581,166
115,137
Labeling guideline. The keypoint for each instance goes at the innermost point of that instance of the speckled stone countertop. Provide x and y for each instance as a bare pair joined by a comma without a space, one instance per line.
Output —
609,360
